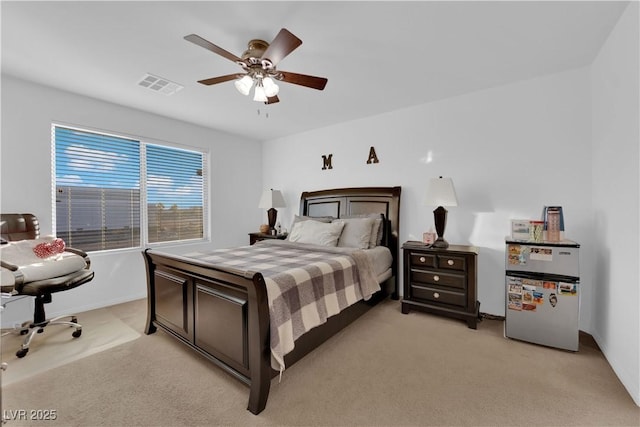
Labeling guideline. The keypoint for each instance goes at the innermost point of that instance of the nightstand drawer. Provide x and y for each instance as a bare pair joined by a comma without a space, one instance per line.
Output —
451,262
438,278
438,295
423,260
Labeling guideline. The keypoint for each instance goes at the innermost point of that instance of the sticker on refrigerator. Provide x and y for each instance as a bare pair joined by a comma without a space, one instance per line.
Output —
517,254
538,297
541,254
549,285
527,297
528,307
515,288
553,300
570,289
515,302
530,284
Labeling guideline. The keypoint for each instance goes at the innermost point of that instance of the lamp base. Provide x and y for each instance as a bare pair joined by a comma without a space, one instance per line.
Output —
440,243
440,219
272,215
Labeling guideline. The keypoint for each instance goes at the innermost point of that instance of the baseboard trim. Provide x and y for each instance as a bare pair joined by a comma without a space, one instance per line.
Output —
489,316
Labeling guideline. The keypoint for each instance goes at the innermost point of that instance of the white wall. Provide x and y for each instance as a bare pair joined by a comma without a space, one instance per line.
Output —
509,150
616,191
27,113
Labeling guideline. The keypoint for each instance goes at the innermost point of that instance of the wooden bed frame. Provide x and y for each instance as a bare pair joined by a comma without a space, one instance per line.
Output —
223,313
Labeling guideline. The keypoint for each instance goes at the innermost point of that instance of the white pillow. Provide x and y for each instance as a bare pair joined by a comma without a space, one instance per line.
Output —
356,232
300,218
316,232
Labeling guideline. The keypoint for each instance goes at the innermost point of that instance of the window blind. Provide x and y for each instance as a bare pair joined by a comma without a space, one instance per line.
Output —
102,182
97,190
175,193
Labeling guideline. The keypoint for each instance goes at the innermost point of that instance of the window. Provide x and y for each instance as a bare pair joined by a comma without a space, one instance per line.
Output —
174,194
103,182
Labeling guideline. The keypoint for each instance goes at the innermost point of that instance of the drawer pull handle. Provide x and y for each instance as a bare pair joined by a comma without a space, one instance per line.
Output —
422,259
436,295
450,262
436,278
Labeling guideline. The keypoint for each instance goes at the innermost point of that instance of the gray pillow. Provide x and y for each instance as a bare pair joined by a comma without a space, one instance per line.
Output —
377,230
356,232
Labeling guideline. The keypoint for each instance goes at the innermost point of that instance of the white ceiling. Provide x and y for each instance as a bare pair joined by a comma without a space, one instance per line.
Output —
377,56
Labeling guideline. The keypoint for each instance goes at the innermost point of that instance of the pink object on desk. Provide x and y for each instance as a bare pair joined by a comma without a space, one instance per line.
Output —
47,249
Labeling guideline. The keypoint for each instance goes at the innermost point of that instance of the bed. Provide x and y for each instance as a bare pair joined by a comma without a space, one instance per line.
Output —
221,307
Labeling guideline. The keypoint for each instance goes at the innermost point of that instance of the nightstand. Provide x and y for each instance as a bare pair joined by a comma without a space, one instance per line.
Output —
441,281
256,237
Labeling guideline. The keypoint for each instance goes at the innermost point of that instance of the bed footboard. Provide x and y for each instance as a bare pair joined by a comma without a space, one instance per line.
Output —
220,313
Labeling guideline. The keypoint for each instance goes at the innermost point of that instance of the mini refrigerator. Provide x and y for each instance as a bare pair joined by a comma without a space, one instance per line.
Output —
543,293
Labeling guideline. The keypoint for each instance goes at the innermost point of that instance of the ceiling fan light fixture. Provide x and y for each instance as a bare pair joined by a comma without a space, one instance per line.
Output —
270,87
244,85
259,94
259,63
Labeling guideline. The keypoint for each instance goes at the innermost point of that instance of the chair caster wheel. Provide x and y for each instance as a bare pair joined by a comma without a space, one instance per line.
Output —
22,352
77,333
24,331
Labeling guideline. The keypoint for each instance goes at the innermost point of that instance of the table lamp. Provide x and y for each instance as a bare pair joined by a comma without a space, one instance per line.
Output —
270,200
440,193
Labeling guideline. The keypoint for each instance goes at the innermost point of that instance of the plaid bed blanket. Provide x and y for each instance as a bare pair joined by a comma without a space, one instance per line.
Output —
306,284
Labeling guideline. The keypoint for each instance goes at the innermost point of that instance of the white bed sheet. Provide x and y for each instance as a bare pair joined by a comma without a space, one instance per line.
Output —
381,260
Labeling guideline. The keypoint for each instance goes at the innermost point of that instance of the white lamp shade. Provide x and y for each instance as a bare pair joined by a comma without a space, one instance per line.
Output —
440,192
244,85
270,87
272,199
259,94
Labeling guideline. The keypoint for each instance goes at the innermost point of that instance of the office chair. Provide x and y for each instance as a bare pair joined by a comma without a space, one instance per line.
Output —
21,227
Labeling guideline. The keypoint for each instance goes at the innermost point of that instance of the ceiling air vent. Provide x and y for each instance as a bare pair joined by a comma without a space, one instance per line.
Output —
159,84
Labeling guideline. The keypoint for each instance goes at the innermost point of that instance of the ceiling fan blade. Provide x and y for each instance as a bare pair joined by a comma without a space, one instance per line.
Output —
221,79
272,99
304,80
281,46
193,38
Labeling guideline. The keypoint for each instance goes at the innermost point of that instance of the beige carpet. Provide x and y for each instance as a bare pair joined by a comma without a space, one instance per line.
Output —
101,330
386,369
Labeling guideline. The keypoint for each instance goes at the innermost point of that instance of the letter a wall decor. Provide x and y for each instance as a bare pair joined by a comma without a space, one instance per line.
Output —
373,158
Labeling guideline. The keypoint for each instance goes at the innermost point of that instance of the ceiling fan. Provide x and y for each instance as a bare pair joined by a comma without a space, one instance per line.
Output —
259,64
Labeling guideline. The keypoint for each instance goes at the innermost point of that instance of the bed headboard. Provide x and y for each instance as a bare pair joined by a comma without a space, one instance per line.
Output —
359,200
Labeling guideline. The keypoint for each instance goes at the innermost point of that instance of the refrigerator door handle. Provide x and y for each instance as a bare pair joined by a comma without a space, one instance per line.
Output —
542,276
